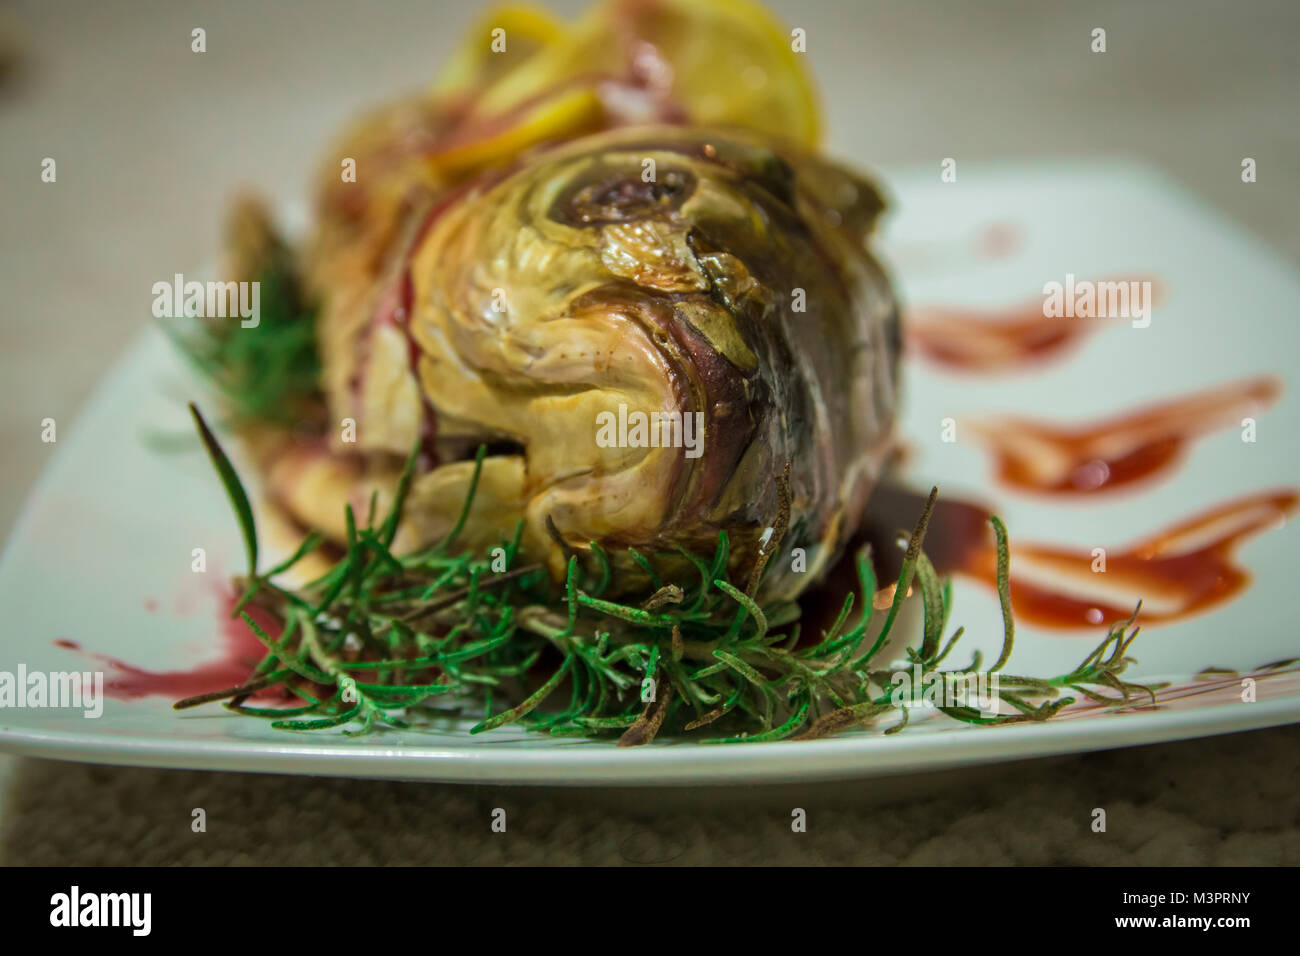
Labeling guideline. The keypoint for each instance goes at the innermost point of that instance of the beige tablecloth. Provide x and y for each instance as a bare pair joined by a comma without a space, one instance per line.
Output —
150,139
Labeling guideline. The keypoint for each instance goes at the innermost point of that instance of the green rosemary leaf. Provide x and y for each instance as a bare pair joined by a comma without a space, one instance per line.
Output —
796,721
705,577
904,578
717,712
405,690
740,667
470,651
337,583
932,596
300,668
867,588
526,706
234,487
656,583
625,613
309,544
445,544
607,723
720,556
1004,592
749,604
905,714
952,642
845,717
323,723
606,571
833,633
388,531
377,546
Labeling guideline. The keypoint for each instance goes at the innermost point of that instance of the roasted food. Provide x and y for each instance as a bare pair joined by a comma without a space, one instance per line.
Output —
614,257
588,371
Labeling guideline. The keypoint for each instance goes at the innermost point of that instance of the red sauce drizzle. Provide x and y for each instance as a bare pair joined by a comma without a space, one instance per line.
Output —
240,651
1000,340
1045,458
1178,572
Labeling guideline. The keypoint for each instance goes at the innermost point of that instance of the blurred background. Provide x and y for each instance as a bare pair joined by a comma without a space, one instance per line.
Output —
152,139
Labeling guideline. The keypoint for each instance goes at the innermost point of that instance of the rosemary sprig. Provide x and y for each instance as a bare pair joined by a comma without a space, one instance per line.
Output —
382,640
267,373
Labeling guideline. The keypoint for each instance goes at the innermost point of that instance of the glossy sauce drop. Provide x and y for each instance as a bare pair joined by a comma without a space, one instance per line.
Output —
1053,459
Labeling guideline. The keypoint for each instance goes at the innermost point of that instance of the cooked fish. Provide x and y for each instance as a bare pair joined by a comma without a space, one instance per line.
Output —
647,324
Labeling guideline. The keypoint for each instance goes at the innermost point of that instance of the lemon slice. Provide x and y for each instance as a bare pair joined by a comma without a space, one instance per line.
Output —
734,64
484,55
493,140
718,62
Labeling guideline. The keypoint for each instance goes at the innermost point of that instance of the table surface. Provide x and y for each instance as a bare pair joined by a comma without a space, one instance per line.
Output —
151,140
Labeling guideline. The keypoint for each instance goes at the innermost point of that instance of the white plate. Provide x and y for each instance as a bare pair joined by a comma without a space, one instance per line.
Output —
101,556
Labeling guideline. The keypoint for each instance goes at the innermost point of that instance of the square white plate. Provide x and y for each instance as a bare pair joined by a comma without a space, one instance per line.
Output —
101,556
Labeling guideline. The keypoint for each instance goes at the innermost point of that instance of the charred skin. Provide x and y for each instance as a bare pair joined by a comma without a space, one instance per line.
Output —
525,304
